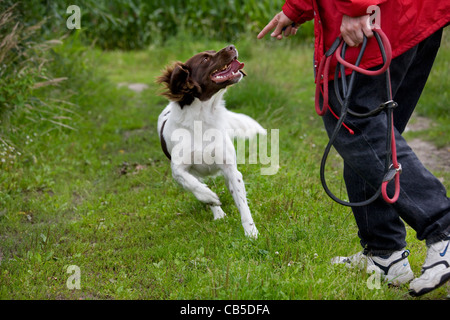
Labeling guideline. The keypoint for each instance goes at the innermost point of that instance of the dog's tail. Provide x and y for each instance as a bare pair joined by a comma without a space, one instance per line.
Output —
243,126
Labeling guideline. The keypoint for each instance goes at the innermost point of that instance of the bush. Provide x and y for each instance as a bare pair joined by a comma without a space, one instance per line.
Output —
16,76
21,67
31,69
136,24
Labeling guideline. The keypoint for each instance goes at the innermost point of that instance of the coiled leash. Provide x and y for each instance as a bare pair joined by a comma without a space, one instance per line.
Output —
392,170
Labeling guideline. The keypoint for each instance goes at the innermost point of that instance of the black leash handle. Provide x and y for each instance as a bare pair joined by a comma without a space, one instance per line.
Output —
388,106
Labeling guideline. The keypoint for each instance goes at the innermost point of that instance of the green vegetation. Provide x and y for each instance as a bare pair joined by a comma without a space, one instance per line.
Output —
135,24
84,181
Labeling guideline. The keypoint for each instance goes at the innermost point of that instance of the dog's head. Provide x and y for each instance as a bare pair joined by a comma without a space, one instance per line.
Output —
202,76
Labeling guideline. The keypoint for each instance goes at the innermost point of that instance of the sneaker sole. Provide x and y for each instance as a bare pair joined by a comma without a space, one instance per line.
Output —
444,278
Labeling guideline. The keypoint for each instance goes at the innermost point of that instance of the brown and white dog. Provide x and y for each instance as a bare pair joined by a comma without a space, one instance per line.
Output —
197,131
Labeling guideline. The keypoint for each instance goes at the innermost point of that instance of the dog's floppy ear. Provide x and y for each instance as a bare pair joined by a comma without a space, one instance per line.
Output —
180,86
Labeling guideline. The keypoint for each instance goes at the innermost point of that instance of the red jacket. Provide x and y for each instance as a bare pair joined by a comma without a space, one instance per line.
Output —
405,22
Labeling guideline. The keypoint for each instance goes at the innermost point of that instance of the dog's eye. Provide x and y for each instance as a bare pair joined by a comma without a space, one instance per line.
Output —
205,58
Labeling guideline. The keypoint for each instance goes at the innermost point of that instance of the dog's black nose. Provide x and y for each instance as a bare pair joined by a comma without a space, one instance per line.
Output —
231,48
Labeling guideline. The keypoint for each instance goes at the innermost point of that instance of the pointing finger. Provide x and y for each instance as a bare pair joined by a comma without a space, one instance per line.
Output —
268,27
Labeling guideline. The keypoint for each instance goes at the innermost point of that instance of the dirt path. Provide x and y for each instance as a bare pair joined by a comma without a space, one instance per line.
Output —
433,158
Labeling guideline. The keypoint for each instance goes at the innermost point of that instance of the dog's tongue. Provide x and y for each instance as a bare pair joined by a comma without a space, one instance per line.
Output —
236,65
229,73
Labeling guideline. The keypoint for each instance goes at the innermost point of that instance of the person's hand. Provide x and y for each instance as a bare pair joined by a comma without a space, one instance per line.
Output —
279,22
354,29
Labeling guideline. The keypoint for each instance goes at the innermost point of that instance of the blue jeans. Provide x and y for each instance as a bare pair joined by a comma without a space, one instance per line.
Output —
423,203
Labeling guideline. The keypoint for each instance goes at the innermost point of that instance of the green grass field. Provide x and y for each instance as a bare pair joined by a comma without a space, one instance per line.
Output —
99,195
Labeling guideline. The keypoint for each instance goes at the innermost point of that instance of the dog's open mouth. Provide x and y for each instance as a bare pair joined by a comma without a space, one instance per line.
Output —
228,72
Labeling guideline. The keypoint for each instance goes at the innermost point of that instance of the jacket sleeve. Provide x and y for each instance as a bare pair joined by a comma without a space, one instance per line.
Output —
355,8
299,11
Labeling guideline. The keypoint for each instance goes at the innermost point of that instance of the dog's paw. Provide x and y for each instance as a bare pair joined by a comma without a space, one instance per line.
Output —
218,212
205,195
250,230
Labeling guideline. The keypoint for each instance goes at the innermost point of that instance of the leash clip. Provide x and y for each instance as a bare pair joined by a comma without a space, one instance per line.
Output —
392,172
390,104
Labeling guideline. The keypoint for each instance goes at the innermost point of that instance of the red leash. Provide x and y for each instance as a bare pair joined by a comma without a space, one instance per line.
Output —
398,169
322,76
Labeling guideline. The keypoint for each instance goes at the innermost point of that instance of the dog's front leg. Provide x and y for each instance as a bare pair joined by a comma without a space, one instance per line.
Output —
217,212
235,184
181,174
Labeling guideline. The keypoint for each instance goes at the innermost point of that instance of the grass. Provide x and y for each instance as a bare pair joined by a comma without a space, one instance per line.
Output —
100,196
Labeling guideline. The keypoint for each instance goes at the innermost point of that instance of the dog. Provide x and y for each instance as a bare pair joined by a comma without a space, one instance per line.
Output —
196,130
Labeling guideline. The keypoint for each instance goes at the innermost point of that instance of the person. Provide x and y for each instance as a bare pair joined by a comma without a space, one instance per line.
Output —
414,29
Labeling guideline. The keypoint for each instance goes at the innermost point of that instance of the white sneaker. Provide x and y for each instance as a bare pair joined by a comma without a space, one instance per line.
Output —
435,270
394,268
